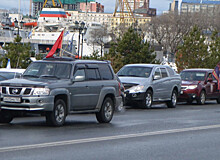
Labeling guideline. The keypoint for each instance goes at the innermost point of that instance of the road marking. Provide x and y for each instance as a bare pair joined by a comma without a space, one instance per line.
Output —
98,139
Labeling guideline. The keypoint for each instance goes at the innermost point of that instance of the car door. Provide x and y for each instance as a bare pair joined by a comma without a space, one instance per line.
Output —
78,89
166,84
211,86
85,93
94,85
157,84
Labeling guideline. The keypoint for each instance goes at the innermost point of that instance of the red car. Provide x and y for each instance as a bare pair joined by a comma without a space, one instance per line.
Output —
199,85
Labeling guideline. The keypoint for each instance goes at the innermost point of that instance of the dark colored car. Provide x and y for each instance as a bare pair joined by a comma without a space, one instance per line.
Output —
56,87
199,85
10,73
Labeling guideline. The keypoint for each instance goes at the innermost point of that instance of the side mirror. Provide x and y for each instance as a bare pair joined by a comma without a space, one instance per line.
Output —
156,77
210,80
79,78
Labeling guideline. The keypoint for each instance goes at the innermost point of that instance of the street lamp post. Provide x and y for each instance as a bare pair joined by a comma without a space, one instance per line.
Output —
16,26
80,27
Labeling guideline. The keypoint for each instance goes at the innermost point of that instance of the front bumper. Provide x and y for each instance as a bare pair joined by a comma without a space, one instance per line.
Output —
188,95
132,97
30,103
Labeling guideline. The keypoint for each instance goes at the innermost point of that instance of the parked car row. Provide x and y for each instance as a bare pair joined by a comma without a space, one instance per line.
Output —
56,87
145,84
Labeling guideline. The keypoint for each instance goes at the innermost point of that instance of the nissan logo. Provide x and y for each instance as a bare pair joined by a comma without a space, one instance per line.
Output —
14,91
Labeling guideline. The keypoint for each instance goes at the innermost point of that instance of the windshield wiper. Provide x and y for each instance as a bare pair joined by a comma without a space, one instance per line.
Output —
133,76
122,75
29,75
49,76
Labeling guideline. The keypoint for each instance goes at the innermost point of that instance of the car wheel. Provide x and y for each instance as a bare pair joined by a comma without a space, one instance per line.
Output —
106,112
173,101
5,117
202,98
148,100
58,115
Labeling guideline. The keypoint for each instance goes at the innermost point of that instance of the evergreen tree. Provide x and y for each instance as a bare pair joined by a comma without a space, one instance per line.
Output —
214,51
18,53
130,49
193,53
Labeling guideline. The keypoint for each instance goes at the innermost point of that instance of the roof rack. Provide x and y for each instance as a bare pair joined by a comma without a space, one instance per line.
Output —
59,59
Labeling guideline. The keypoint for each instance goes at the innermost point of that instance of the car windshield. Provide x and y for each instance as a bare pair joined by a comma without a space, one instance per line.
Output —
48,70
9,75
193,75
135,71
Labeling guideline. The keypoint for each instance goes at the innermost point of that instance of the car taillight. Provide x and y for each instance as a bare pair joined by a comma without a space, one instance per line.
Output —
119,88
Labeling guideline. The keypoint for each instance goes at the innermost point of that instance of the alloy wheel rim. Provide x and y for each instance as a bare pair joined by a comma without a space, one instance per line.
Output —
59,113
203,98
148,100
174,99
108,110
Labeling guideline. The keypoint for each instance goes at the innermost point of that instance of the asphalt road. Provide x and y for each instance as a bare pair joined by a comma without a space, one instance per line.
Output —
188,132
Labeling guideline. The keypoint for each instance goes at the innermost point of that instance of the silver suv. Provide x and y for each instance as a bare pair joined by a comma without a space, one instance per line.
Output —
148,83
56,87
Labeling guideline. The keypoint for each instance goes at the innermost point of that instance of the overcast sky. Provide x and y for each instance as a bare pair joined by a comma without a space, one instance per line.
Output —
160,5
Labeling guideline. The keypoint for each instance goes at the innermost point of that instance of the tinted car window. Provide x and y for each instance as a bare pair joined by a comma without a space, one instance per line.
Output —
164,72
157,72
193,75
9,75
92,74
2,78
79,72
105,72
63,70
171,71
49,69
135,71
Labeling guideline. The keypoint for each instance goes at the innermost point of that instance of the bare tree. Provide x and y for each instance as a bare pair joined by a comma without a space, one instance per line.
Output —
169,29
99,36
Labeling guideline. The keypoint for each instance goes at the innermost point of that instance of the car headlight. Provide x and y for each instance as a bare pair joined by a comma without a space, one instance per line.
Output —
192,86
41,91
137,88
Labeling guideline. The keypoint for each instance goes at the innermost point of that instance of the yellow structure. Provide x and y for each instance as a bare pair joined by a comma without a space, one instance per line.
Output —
53,3
124,10
127,21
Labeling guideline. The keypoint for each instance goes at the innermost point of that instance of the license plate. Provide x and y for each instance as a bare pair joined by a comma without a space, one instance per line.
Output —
12,99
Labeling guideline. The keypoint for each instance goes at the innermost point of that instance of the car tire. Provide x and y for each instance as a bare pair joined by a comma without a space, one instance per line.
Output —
58,115
106,112
5,116
147,101
202,98
173,101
